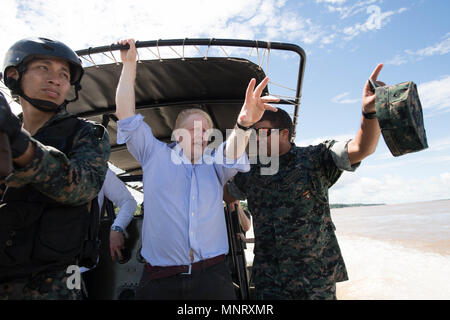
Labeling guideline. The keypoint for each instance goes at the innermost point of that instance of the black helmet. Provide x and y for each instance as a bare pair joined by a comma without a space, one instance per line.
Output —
26,50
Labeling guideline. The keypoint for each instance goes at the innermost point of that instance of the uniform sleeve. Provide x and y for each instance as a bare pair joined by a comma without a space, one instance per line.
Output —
339,152
71,179
116,191
323,163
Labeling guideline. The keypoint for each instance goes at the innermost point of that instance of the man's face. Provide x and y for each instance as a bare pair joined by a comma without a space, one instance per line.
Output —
47,79
264,137
195,138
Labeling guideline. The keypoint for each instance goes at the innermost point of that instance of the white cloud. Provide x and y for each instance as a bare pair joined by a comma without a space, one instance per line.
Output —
317,140
327,39
440,48
376,20
342,99
439,144
435,145
385,164
350,10
435,94
87,23
445,177
331,1
352,188
398,60
289,26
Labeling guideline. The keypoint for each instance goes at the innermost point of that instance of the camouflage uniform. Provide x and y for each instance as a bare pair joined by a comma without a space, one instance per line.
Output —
297,255
72,179
49,286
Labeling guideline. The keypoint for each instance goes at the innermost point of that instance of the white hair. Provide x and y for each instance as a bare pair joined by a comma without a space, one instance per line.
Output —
183,115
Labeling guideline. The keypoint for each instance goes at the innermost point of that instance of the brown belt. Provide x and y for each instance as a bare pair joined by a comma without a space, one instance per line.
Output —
156,272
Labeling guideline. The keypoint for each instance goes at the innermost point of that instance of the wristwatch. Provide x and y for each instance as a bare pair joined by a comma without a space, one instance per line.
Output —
369,115
117,229
242,127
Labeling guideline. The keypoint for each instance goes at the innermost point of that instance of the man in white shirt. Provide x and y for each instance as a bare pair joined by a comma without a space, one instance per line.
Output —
115,190
184,239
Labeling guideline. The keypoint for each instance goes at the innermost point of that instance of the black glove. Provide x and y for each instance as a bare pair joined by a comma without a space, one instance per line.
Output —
19,138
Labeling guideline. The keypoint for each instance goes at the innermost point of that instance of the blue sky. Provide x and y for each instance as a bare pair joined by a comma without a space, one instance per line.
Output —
343,39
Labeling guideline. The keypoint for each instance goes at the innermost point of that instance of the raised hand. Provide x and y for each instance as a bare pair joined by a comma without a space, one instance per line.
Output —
128,55
125,98
368,98
255,105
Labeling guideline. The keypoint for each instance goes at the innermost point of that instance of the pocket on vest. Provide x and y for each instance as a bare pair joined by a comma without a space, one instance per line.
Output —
18,229
61,235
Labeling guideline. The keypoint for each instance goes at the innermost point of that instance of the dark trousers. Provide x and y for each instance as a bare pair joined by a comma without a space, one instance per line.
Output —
212,283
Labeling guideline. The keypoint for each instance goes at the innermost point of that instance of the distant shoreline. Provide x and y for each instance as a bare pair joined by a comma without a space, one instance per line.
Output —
344,205
347,205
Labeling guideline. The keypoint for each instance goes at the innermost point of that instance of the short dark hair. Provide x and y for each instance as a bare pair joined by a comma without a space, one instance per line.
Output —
279,120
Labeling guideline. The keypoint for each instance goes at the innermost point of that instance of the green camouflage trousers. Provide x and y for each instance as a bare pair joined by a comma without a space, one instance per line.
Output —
43,287
269,292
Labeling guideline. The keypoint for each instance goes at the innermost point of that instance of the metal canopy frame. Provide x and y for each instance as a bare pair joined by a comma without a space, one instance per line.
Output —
209,43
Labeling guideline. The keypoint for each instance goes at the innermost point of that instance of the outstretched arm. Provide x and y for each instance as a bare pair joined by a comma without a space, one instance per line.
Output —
125,98
251,112
366,140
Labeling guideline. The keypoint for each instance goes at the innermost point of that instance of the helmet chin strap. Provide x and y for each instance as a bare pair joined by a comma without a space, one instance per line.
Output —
42,105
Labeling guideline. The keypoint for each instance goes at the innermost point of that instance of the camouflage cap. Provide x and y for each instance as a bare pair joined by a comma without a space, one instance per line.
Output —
400,116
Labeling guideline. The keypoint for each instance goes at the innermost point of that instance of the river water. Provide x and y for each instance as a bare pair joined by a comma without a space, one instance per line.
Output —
393,252
397,251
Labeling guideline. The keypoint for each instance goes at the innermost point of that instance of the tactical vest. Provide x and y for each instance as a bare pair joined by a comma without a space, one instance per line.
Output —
37,233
